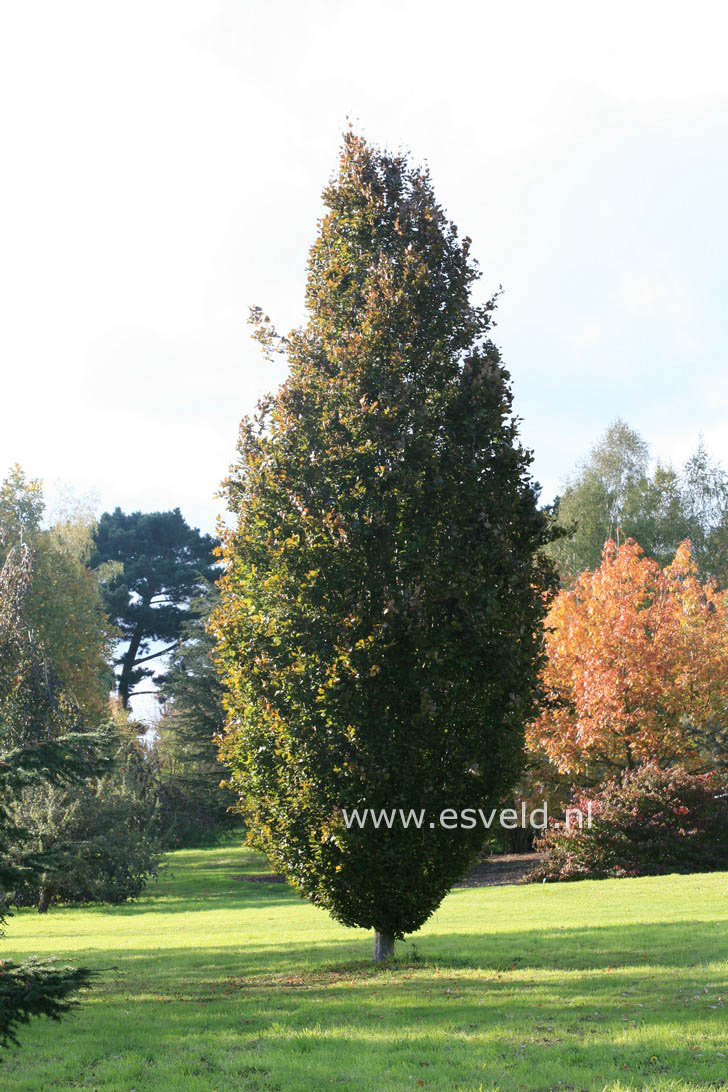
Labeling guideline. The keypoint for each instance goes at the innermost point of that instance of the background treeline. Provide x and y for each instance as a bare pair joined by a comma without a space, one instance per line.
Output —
90,797
119,609
634,703
614,495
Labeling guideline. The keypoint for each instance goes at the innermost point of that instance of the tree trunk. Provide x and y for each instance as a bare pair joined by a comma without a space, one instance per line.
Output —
128,660
383,946
44,899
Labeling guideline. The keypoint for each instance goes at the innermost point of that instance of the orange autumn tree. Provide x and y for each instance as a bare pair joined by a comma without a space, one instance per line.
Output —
637,666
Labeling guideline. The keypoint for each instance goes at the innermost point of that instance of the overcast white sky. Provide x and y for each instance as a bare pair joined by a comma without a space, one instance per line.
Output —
163,164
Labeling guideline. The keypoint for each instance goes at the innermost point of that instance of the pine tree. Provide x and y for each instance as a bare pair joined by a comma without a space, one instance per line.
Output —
165,564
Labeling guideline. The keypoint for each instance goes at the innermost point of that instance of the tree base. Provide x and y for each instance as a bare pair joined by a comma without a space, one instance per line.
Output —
383,946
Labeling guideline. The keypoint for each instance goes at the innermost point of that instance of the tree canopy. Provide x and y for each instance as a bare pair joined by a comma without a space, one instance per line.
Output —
63,605
163,564
637,666
614,495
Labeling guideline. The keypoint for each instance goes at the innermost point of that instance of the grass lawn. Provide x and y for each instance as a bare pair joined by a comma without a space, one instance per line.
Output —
214,982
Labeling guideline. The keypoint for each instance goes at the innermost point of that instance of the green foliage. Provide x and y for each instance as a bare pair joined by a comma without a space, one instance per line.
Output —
35,987
63,604
21,509
705,500
648,822
194,806
162,564
381,608
99,839
613,495
40,745
34,707
66,608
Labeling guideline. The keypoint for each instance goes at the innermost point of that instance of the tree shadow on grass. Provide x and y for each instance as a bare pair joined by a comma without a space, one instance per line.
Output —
515,1009
311,1011
600,1019
269,964
669,944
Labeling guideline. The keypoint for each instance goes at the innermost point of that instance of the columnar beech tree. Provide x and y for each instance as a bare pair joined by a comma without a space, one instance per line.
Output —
379,630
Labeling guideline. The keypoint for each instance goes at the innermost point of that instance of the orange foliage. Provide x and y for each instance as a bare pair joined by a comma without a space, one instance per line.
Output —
637,664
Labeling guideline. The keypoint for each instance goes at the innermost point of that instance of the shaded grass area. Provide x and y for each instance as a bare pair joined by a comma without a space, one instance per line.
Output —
210,982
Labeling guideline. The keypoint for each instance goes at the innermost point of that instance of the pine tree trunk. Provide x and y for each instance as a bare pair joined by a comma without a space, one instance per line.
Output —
44,899
383,946
127,662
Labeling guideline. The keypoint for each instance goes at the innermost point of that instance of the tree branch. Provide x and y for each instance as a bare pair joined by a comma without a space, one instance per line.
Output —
153,655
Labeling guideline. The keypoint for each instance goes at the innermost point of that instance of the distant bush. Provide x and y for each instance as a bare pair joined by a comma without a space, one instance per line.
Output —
649,822
189,814
99,837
